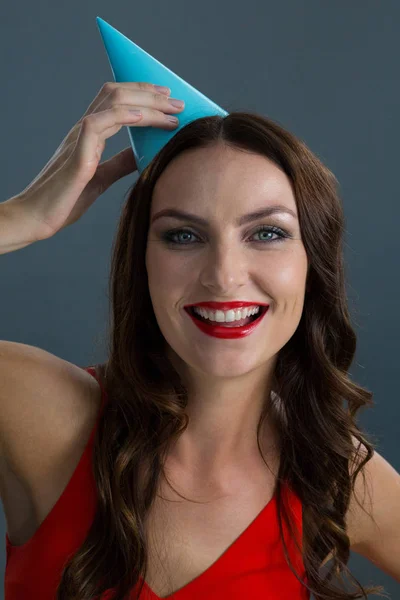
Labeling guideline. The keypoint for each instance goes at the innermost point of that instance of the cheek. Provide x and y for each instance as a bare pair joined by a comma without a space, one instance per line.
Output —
166,272
289,288
161,261
291,278
283,274
293,267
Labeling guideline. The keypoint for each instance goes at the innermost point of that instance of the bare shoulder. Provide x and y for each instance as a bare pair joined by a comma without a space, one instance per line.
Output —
375,500
374,527
46,403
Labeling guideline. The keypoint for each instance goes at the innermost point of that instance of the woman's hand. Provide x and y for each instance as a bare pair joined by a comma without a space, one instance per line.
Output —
73,178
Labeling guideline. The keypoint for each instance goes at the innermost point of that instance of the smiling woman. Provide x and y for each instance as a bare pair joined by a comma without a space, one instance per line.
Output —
232,421
222,459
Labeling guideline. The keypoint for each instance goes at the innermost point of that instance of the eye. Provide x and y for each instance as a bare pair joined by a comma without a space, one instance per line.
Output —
168,236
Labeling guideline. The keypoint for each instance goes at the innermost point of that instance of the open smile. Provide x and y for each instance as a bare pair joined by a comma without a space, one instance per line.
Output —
229,330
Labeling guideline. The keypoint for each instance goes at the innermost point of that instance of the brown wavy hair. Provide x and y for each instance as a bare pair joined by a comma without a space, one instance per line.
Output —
315,402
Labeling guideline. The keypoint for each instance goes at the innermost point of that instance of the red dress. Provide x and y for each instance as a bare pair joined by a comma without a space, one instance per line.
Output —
253,566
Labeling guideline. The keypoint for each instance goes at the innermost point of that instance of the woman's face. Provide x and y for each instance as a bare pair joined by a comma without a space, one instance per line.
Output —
223,261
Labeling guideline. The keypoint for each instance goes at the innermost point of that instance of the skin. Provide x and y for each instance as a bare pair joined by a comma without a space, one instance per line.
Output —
227,379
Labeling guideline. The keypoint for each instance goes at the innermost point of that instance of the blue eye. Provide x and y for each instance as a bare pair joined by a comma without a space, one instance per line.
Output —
168,235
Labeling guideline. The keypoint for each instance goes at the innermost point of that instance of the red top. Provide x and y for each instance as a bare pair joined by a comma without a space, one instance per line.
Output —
253,566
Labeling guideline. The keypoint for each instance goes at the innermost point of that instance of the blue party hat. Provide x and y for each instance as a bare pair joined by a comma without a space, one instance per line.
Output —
130,63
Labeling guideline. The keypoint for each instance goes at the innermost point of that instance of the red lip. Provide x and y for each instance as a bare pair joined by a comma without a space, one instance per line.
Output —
220,331
226,305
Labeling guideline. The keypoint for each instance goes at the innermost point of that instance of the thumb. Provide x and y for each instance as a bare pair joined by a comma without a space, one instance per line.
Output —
116,167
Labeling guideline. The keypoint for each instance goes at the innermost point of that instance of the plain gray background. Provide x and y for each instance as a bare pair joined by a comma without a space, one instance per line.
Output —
327,71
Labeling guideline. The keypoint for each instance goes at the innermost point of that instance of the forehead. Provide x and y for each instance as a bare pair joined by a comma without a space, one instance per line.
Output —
224,174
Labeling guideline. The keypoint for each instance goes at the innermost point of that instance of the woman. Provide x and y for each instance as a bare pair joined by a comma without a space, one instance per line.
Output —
211,442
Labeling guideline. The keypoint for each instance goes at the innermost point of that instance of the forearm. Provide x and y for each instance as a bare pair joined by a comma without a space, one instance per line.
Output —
16,230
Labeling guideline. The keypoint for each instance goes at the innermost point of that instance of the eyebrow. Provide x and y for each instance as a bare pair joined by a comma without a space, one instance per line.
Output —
247,218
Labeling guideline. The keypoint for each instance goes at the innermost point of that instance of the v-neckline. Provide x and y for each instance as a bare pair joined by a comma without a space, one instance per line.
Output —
209,572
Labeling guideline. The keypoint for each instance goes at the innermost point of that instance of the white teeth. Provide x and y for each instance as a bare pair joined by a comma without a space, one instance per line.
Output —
228,316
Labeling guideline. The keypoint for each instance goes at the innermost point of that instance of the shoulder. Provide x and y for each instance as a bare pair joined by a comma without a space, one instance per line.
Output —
373,519
46,403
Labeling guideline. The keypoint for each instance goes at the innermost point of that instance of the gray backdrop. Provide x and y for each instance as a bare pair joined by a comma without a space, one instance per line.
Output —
327,71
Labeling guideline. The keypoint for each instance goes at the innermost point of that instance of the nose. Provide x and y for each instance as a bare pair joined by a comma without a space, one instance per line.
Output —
224,270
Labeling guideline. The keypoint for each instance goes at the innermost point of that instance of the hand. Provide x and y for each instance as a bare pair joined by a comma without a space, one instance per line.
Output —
73,178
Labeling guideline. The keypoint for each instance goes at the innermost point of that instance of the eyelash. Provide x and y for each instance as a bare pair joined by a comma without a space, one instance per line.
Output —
167,236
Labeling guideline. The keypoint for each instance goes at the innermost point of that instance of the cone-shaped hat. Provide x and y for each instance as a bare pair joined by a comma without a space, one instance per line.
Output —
130,63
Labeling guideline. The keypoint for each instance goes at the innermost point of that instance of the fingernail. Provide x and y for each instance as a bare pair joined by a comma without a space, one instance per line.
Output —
176,103
162,90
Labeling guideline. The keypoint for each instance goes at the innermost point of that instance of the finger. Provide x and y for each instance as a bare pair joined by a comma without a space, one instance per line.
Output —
99,126
124,97
95,129
115,168
110,87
